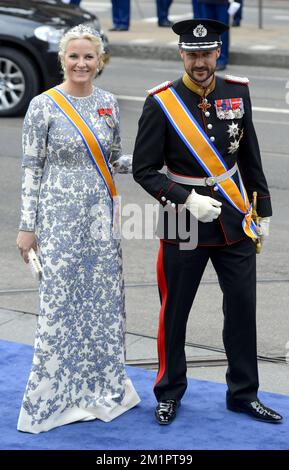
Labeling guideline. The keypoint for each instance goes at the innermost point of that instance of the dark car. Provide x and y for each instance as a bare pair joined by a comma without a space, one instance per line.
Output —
29,35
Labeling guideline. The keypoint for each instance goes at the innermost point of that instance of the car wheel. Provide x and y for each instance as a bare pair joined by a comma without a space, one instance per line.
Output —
19,82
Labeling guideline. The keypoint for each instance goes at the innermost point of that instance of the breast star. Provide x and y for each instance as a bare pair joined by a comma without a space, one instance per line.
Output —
233,146
233,129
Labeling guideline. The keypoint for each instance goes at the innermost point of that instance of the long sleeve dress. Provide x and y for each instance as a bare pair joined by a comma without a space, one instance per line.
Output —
78,370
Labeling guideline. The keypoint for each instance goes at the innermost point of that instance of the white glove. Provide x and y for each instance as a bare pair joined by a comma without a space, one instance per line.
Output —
233,8
204,208
122,165
264,226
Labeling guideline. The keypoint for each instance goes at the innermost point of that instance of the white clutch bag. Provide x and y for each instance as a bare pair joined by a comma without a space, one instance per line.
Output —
34,264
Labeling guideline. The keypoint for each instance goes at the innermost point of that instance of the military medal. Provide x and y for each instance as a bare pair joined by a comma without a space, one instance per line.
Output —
204,105
109,121
107,114
229,108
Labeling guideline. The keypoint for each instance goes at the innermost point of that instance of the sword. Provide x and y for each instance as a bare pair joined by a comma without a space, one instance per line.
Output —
256,219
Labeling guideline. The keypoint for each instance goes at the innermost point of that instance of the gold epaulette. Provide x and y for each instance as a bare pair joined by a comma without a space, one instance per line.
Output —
160,87
234,79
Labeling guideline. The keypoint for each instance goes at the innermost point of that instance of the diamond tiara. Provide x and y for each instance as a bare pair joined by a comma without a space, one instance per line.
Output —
84,29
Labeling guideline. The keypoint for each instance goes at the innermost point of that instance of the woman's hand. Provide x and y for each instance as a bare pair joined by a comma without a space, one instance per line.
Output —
25,241
122,165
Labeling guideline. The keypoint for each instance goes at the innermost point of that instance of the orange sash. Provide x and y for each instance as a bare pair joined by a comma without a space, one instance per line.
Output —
89,138
206,154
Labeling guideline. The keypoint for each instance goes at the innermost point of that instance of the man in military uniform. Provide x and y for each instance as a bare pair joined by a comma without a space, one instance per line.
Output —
200,127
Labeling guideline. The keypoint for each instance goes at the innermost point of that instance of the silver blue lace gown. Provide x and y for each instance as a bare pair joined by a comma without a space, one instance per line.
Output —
78,368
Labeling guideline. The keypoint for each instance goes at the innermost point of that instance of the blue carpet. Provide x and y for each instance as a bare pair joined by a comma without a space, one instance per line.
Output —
202,423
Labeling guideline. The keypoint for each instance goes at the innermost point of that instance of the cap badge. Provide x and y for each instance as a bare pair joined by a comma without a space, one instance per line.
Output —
200,31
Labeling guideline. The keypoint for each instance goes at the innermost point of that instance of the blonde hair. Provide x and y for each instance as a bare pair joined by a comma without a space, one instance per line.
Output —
81,32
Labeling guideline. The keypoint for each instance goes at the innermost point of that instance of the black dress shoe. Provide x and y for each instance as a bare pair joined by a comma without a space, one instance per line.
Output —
166,411
255,409
166,24
120,28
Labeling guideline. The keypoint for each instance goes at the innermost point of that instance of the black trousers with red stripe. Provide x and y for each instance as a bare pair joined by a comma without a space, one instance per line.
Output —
179,275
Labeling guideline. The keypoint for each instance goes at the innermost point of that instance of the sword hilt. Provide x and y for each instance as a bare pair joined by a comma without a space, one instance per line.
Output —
256,219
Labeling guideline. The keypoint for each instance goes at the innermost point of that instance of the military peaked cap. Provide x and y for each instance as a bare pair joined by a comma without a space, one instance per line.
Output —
199,34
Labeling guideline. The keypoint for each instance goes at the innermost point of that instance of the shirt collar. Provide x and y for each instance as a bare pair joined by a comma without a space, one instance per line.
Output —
198,89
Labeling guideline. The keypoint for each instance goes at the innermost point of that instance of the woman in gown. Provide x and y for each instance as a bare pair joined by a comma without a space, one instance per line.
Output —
78,371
